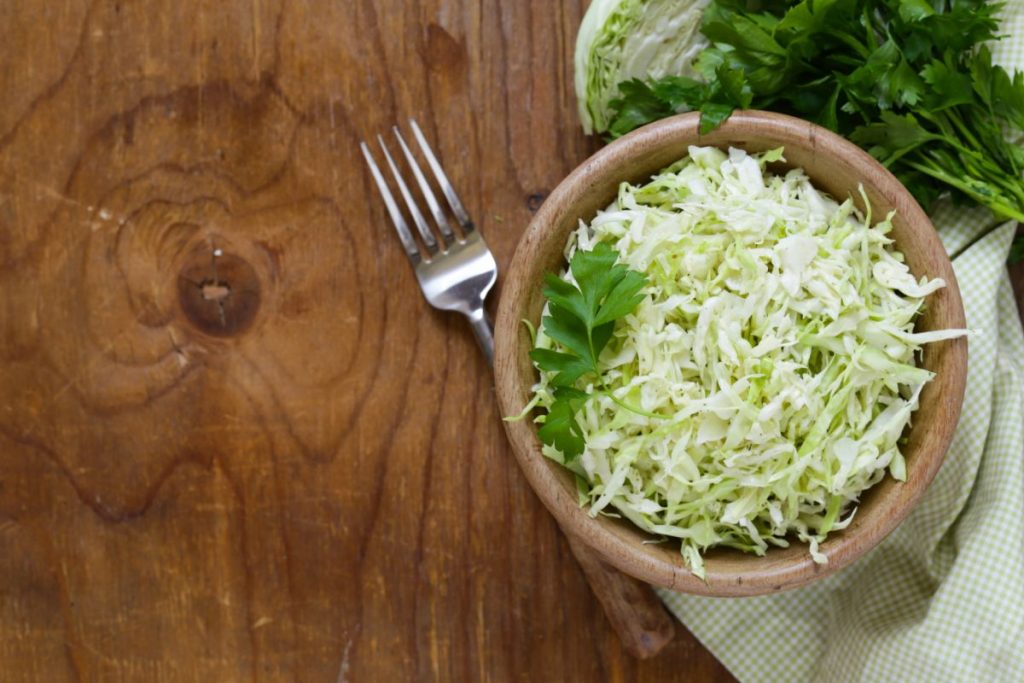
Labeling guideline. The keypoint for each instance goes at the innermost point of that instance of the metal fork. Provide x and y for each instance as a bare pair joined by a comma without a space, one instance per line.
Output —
455,272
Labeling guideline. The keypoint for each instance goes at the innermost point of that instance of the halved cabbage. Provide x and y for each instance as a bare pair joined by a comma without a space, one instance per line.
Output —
770,368
623,39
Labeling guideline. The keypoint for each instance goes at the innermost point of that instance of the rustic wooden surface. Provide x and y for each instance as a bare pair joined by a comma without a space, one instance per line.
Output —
306,479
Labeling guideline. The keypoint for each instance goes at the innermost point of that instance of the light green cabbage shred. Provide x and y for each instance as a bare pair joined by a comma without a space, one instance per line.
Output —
623,39
775,348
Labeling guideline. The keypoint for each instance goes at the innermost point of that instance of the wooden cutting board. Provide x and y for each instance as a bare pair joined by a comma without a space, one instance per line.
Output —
235,444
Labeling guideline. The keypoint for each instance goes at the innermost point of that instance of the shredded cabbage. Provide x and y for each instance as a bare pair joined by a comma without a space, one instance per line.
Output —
623,39
766,379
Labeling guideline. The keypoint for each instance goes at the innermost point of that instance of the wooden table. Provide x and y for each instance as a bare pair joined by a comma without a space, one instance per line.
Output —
305,479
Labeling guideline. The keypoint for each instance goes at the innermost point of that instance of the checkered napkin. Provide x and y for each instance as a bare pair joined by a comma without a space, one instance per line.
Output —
942,598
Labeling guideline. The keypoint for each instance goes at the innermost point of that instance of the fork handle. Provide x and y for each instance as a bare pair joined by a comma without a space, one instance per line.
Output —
484,334
633,610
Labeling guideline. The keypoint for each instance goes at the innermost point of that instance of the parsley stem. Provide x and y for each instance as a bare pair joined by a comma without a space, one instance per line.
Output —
983,169
1000,208
631,408
869,29
849,40
952,115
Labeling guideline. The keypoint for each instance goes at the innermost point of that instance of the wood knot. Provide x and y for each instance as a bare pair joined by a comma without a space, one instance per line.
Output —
444,54
219,292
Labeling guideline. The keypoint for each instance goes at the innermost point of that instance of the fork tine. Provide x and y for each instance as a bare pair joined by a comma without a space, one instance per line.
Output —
442,179
428,194
421,223
408,243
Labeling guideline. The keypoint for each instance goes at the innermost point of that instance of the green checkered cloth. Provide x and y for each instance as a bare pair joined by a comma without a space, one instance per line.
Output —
942,598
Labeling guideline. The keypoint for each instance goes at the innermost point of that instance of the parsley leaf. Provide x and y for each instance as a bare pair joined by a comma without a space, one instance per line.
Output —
581,318
560,428
641,103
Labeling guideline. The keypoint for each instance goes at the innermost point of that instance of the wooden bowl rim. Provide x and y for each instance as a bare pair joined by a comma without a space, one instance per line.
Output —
618,543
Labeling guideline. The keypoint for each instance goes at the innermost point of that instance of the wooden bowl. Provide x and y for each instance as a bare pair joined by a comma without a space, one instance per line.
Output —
834,165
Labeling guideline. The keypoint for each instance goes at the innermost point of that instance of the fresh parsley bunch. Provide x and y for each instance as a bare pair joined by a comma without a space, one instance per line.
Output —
911,81
581,318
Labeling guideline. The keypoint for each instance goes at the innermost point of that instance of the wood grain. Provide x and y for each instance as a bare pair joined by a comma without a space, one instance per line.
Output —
277,463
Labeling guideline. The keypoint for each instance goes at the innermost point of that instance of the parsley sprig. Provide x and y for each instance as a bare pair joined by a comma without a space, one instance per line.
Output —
581,318
911,81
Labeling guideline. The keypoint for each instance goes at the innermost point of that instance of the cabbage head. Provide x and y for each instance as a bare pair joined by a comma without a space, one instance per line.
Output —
623,39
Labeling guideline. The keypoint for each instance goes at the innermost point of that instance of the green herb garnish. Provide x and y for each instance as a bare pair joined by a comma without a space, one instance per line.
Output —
911,81
581,318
